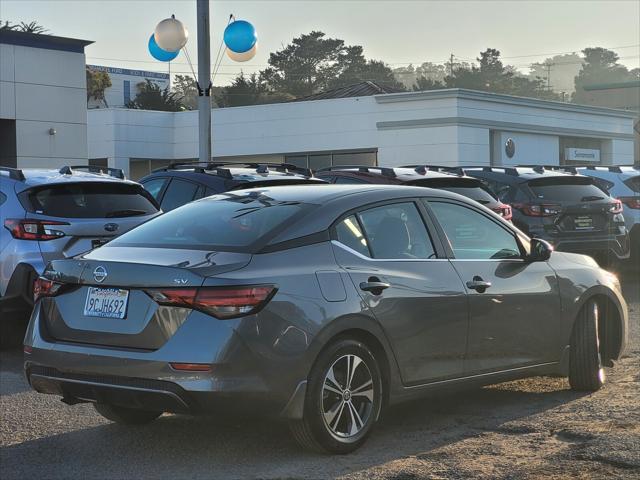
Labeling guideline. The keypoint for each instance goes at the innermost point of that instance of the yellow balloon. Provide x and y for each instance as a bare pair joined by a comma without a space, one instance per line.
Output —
244,56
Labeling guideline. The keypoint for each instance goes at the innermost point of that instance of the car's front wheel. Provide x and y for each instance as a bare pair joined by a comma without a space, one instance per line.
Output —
124,415
343,399
586,369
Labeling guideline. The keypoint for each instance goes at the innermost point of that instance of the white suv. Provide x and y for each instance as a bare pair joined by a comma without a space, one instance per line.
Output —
623,183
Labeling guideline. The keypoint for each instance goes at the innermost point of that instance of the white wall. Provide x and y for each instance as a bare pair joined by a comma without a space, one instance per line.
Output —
44,89
531,149
448,127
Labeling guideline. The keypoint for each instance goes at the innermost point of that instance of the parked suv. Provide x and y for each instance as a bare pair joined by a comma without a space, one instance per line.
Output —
183,182
452,179
53,214
623,183
566,209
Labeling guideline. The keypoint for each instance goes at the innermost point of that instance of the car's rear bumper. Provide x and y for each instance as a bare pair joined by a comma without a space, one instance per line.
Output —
146,379
617,245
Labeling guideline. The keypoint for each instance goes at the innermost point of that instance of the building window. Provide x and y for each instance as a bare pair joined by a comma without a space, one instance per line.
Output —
316,161
127,91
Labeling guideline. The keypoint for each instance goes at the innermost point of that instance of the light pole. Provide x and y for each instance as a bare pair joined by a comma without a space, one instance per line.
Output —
204,82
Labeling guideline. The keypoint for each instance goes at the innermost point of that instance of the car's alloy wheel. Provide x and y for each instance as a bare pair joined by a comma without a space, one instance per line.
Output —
343,399
586,368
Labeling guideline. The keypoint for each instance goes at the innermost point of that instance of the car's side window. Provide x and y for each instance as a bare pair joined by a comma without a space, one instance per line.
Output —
155,186
472,235
602,184
349,233
397,231
178,193
3,198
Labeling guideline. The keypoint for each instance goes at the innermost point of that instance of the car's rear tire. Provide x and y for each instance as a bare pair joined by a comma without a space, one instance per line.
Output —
586,369
124,415
340,412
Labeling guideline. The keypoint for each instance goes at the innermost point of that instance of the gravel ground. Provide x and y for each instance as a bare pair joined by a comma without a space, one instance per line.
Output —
532,428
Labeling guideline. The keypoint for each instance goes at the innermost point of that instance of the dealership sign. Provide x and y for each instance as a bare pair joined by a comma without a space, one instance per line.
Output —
582,154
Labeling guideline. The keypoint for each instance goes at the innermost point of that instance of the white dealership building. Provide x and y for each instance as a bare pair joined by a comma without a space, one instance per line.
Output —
445,127
44,122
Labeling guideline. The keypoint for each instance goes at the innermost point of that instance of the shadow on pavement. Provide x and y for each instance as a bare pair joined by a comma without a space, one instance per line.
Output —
228,448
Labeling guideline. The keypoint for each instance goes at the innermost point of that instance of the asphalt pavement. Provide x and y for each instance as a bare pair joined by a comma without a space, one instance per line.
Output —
526,429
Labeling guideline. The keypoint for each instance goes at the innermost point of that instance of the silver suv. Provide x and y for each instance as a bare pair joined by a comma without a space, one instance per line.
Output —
623,183
54,214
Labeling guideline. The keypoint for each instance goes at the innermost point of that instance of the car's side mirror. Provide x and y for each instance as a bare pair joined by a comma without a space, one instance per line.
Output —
540,250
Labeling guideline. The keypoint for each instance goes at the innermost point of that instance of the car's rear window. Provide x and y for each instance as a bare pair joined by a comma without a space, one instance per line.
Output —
567,189
633,183
467,187
228,222
90,200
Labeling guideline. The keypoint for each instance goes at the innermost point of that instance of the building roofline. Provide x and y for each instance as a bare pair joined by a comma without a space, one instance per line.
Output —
612,85
48,42
462,93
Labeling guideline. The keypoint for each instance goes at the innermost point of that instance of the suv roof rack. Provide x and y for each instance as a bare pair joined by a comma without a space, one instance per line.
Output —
572,169
386,171
14,173
485,168
113,172
223,168
422,169
610,168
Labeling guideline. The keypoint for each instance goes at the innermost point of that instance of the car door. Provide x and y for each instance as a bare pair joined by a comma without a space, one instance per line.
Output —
414,293
514,304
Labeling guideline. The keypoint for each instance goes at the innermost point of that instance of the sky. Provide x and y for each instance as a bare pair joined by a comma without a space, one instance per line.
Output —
398,32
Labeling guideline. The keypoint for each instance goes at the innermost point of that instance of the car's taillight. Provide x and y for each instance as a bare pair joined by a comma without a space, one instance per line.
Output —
43,287
504,211
221,302
631,202
30,229
616,206
538,209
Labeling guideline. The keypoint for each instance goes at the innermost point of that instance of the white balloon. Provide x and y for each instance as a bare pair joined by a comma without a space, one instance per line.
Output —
171,35
244,56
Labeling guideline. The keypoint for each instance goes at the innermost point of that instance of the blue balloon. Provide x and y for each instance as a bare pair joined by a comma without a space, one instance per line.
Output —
240,36
160,54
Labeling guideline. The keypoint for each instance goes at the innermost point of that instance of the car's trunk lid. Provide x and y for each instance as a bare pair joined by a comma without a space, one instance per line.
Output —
140,322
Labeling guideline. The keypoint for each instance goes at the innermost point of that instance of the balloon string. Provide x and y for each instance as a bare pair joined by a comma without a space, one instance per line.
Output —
218,61
188,57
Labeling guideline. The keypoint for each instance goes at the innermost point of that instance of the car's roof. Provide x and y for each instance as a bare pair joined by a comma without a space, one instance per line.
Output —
391,174
213,173
331,201
518,174
40,176
622,171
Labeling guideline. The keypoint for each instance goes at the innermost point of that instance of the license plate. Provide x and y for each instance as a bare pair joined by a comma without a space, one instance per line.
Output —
106,302
583,222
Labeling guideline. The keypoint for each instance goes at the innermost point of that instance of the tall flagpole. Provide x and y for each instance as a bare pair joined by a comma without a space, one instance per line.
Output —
204,82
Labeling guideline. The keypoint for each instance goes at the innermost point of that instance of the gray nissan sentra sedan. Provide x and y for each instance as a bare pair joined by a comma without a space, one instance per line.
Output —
320,304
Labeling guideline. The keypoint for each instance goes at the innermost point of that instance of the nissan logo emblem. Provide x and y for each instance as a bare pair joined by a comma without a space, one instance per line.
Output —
99,274
111,227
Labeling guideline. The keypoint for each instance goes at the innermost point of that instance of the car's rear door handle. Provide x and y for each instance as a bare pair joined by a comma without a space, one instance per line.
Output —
374,285
478,284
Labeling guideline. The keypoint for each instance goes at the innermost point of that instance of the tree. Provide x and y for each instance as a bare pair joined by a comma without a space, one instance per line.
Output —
558,71
97,83
31,27
424,83
250,90
312,63
186,89
151,97
599,66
